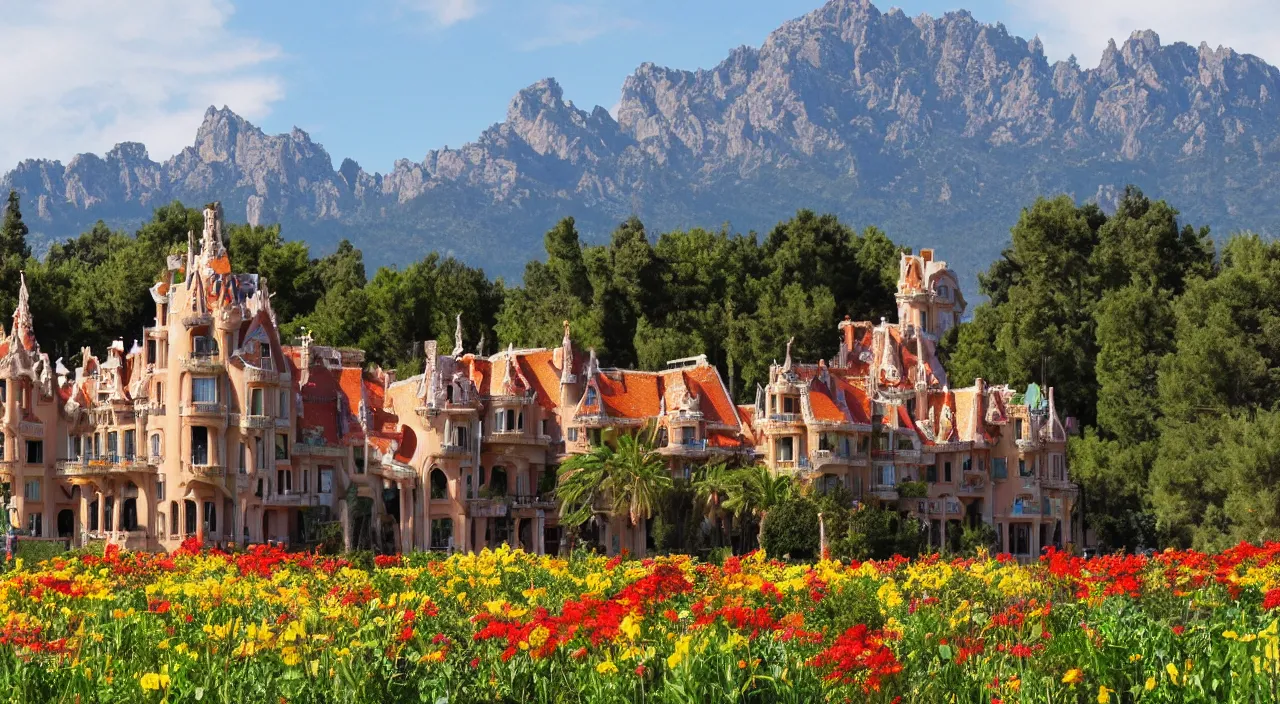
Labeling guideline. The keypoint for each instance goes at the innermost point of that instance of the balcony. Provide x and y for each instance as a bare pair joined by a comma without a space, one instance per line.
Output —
453,451
31,428
776,420
514,437
258,375
487,508
195,320
1025,507
1057,484
207,471
821,458
447,407
99,466
545,502
395,471
972,487
283,500
157,333
885,492
688,448
1027,444
202,364
6,470
205,409
251,421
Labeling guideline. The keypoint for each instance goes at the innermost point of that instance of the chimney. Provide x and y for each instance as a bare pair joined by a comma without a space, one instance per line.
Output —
926,255
847,328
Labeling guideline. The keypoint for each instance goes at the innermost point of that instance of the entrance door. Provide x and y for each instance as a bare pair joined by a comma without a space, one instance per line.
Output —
66,523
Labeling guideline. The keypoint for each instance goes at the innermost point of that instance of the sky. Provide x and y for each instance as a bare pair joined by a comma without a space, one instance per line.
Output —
379,80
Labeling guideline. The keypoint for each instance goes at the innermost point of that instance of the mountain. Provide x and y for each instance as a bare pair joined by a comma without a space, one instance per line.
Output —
938,130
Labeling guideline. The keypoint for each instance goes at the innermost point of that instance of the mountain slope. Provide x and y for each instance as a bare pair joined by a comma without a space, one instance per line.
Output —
936,129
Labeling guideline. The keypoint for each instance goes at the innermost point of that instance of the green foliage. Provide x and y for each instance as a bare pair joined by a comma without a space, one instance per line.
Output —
791,530
913,490
878,534
977,538
34,552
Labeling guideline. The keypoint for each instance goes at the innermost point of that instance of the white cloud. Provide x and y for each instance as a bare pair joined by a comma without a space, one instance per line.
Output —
445,13
575,24
83,75
1082,27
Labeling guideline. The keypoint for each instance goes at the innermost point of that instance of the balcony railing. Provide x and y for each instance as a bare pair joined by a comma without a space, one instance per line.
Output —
454,451
258,375
204,408
202,363
1025,507
1027,444
784,418
207,471
194,320
542,501
685,447
251,421
487,507
105,464
515,437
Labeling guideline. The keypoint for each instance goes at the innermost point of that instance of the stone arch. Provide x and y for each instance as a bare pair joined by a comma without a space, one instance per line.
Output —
439,484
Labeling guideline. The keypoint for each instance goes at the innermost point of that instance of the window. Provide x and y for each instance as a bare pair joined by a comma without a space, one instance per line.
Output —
129,515
155,445
35,452
130,443
943,292
931,473
1056,466
591,395
358,460
261,445
1022,468
306,480
786,450
4,390
1020,538
113,443
573,434
326,480
439,485
1017,429
441,533
203,346
788,404
173,517
109,513
1000,468
34,524
160,494
544,432
31,490
946,471
258,493
688,435
2,446
282,406
257,402
161,523
520,421
204,389
460,436
924,320
596,437
210,517
244,454
97,445
151,351
159,392
199,445
282,446
284,481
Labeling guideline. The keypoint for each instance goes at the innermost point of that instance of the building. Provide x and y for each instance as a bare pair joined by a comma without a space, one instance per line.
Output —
213,429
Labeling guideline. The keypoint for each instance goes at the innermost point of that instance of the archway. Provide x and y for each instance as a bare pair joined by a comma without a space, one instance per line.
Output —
66,523
189,514
498,481
439,484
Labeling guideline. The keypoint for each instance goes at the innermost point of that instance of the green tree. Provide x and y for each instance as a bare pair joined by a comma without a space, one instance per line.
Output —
755,491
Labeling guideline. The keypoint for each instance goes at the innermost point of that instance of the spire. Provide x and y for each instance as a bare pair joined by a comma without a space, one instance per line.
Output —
566,358
211,242
22,314
786,365
480,346
457,338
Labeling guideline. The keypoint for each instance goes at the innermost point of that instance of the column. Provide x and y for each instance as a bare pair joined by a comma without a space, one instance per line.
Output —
461,531
1035,539
199,519
407,492
515,541
117,509
344,517
49,524
83,515
405,519
540,533
143,508
426,520
242,520
102,511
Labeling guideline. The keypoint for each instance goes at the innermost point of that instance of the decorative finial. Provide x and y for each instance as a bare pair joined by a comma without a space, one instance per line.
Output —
457,338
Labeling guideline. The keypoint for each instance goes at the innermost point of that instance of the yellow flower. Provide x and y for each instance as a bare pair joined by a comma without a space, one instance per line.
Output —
1151,684
1135,657
153,681
1230,635
433,656
1073,676
1173,672
1104,694
607,668
629,628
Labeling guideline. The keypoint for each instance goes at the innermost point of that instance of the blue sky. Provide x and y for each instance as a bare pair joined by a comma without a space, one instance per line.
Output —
378,80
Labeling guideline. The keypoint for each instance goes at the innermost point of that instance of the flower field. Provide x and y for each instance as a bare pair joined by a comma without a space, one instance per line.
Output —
266,626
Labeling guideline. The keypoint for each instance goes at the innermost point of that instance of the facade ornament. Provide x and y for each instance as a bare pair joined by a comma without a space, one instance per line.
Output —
457,338
786,364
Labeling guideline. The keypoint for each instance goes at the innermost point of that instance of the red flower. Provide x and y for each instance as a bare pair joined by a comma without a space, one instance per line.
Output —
406,634
640,671
1179,629
1272,599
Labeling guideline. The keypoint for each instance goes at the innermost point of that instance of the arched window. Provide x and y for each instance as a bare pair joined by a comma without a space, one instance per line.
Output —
130,516
439,484
173,518
498,481
441,533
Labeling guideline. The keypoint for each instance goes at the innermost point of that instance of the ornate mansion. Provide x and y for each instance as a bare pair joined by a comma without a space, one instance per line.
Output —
213,428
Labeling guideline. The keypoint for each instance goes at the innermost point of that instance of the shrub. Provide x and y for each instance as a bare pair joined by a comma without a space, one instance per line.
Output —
978,538
33,552
792,530
913,490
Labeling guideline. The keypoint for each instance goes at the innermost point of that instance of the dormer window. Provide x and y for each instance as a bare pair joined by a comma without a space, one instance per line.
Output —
591,396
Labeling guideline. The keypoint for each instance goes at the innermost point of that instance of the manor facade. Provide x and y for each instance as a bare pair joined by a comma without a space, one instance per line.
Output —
212,427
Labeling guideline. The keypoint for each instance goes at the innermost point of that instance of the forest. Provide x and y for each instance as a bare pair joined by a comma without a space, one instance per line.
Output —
1162,343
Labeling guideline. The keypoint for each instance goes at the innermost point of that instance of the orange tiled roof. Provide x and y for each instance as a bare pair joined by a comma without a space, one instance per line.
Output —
540,369
633,395
705,382
823,404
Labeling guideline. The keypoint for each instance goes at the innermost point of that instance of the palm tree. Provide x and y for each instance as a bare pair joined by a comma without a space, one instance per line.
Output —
580,484
757,491
638,478
711,487
632,477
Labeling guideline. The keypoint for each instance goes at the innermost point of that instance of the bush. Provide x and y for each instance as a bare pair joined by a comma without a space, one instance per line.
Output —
34,552
792,530
978,538
913,490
